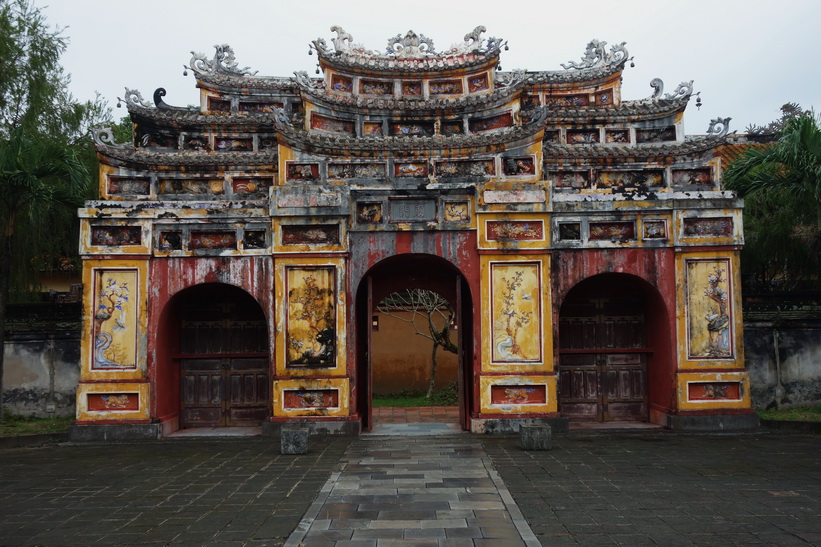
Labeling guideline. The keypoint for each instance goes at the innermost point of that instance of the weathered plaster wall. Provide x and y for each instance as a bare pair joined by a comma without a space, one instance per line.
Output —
784,364
41,372
402,358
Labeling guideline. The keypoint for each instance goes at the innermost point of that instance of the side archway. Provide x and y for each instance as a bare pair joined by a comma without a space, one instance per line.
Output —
614,349
213,363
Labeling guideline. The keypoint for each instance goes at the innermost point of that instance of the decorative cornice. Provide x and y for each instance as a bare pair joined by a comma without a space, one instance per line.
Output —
337,145
470,103
627,111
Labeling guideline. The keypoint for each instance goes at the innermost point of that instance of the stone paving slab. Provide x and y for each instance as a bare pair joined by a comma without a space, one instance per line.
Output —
636,489
182,492
666,489
443,509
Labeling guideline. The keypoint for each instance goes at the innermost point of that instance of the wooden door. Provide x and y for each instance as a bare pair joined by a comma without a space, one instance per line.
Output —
603,360
224,365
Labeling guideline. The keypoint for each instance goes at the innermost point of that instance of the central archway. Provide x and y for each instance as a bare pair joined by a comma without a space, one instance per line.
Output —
414,271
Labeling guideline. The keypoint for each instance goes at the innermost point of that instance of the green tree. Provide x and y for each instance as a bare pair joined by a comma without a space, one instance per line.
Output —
781,184
44,168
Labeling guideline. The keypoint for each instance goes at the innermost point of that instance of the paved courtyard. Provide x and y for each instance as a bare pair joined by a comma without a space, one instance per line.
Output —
591,489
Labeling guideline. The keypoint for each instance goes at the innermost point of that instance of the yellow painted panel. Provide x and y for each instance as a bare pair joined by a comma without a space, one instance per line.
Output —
713,391
517,394
516,314
312,397
114,338
113,401
311,317
709,323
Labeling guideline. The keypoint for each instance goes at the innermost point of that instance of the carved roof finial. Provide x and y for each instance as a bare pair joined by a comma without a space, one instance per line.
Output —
596,55
223,61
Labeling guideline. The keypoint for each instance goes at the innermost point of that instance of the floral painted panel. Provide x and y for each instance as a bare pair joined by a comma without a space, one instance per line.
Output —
331,125
106,402
341,83
478,83
457,211
516,313
489,124
515,230
311,318
709,309
713,391
375,87
316,234
311,398
445,87
115,319
699,227
127,185
113,236
518,395
213,240
519,166
613,231
369,213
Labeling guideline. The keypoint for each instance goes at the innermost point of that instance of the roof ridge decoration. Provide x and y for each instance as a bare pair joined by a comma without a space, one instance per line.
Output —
223,62
718,128
684,89
409,46
595,55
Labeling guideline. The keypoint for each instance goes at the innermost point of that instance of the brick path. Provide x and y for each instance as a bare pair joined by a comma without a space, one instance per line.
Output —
420,414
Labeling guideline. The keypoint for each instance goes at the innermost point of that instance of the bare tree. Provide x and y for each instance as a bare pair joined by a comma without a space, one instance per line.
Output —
426,306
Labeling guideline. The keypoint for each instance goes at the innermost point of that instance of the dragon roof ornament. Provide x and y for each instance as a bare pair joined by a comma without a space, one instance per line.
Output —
223,62
134,98
719,127
409,46
684,89
595,55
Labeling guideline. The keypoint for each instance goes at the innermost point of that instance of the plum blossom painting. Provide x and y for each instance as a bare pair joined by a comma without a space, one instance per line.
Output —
709,309
311,328
115,319
516,312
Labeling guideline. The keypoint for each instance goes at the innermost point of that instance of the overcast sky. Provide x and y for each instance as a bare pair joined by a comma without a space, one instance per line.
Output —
747,58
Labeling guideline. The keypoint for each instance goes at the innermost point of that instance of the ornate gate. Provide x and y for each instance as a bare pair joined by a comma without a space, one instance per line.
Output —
603,359
224,365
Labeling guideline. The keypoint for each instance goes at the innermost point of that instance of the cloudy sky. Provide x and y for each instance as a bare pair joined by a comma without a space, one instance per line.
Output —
746,57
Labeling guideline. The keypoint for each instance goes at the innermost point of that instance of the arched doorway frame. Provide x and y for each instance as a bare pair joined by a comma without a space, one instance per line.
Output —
624,356
165,371
414,271
656,270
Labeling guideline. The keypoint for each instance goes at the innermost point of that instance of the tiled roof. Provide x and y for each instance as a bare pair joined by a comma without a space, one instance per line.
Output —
469,103
589,151
145,156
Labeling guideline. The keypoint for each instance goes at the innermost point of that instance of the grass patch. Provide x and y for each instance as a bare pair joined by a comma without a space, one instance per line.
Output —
16,426
797,414
447,396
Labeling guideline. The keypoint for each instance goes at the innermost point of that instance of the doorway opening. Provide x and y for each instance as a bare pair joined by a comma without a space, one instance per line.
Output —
415,363
605,349
414,311
223,358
